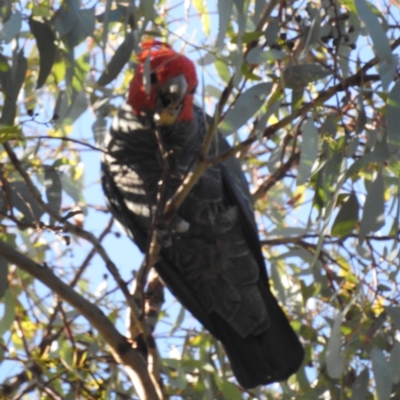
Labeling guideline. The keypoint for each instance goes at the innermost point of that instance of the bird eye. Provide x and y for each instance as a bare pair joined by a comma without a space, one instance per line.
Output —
153,78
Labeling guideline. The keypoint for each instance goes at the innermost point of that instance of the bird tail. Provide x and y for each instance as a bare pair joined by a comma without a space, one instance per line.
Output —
271,356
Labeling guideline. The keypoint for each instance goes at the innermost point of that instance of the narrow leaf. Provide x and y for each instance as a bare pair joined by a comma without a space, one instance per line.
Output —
393,116
23,201
394,313
118,60
375,30
347,217
309,152
224,13
334,358
394,363
373,217
382,374
44,37
359,389
245,107
9,313
3,276
11,28
301,75
52,183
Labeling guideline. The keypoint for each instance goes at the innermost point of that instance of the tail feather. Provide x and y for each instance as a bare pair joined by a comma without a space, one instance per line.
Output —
271,356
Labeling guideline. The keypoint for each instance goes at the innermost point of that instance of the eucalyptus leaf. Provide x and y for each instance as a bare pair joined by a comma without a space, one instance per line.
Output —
297,76
224,14
394,363
83,27
11,28
308,152
9,313
373,217
393,116
52,183
3,276
24,202
44,37
378,155
334,358
248,103
394,313
118,60
375,30
359,388
347,217
382,374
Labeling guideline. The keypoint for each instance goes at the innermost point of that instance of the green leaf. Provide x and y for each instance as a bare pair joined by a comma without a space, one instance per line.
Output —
382,374
375,30
201,7
394,363
52,183
334,357
272,31
228,389
309,152
72,188
223,70
3,276
259,56
314,32
359,389
393,116
24,202
9,313
378,155
44,37
347,217
83,26
297,76
118,60
11,28
248,103
394,313
373,217
387,65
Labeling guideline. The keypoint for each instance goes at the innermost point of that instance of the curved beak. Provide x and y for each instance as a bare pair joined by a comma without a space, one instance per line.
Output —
169,101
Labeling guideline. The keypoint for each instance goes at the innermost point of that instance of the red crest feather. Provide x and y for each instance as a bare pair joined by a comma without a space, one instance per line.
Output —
165,63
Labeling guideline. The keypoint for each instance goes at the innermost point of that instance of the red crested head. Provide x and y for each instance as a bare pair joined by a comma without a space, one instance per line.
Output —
165,65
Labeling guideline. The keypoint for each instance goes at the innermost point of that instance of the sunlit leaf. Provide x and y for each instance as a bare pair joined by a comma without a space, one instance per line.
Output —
347,217
9,312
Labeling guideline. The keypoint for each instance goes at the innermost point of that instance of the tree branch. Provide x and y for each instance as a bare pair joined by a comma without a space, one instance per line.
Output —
121,349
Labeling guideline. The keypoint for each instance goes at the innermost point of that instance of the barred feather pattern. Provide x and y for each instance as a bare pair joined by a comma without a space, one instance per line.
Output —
212,254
